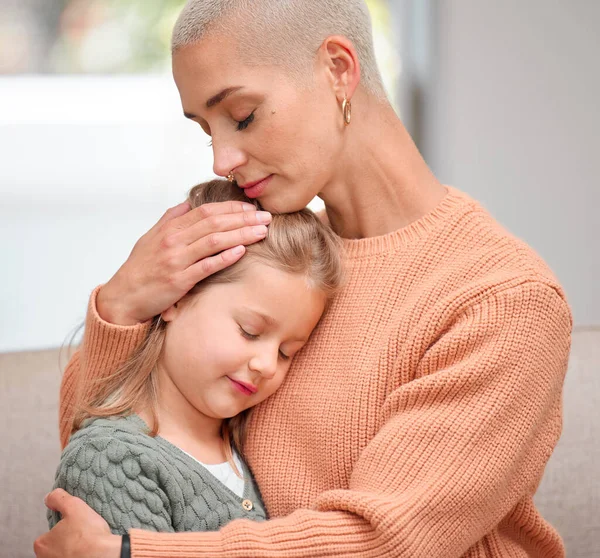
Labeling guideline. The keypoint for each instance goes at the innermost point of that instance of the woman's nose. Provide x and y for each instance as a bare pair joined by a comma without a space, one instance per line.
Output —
226,158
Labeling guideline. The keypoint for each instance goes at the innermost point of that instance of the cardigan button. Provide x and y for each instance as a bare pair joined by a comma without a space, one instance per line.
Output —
247,505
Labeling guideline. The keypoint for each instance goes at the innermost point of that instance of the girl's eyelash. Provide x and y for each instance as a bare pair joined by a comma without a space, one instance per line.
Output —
251,337
247,335
245,123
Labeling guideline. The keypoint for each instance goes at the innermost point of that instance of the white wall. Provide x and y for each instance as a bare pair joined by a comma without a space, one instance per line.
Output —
87,165
514,119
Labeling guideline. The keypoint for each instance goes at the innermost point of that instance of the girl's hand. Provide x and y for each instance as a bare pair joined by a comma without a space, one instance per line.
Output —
183,248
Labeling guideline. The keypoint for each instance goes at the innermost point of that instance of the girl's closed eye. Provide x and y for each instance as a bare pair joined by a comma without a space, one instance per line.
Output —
252,337
247,335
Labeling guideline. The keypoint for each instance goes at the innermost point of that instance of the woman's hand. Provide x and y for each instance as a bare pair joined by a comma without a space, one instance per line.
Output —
183,248
81,533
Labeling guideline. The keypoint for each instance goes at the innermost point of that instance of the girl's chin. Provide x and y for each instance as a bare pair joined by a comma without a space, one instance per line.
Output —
226,412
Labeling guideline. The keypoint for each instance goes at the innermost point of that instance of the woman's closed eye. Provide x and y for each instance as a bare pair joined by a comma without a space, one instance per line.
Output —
243,124
240,125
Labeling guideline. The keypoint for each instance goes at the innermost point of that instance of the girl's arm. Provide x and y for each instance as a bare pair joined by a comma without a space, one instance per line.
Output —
109,475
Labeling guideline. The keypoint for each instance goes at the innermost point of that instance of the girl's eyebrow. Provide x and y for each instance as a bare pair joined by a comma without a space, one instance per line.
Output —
264,317
215,100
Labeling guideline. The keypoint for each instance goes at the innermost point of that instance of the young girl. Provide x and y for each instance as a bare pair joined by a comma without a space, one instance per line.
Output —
160,446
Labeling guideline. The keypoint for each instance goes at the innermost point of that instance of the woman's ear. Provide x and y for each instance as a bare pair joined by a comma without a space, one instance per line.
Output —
343,65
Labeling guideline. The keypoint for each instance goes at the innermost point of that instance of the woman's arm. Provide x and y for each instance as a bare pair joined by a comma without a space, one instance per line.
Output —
462,448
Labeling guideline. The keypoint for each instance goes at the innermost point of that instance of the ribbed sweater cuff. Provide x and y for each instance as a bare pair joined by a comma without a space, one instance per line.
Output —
103,339
146,544
305,533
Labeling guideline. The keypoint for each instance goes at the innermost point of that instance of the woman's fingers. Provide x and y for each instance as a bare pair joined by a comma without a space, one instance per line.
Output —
210,265
173,213
59,501
208,210
222,223
80,532
214,243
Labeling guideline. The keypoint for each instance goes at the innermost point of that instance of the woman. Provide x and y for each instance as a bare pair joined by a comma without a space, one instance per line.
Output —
418,419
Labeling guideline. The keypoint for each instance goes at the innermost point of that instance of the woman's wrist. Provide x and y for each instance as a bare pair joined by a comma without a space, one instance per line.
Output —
111,308
110,547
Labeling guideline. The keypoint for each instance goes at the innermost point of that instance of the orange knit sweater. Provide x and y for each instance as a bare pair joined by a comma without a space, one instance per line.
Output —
418,419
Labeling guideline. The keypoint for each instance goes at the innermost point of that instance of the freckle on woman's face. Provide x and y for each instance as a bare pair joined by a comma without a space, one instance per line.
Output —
270,127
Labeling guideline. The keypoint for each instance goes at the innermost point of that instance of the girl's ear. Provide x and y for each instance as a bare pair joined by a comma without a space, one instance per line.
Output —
170,313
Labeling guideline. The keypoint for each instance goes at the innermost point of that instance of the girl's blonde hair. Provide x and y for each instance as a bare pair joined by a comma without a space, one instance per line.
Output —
297,243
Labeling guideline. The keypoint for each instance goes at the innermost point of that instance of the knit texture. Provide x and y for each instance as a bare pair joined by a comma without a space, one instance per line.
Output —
418,419
136,481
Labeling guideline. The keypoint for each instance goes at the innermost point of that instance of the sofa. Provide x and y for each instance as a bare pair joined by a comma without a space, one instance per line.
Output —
569,495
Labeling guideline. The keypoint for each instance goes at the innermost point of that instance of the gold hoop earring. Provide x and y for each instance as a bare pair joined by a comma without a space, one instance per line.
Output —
347,110
230,177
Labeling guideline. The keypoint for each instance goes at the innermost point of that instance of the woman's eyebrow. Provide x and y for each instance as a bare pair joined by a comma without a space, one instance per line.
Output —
215,100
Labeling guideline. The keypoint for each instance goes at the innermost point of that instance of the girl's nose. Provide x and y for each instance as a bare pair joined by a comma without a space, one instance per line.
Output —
265,364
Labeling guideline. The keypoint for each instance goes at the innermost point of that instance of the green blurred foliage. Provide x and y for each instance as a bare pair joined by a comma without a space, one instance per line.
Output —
114,36
131,36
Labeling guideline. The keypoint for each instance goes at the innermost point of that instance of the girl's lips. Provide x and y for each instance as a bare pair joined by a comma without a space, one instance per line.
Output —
256,189
242,387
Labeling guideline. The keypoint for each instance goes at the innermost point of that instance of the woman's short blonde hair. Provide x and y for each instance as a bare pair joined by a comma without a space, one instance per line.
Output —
284,32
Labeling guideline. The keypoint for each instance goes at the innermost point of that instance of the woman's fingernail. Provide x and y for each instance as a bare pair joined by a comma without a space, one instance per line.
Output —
263,216
238,250
248,207
260,230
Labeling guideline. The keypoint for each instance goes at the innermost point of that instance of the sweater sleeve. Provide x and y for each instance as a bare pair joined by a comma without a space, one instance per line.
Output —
104,348
117,481
461,446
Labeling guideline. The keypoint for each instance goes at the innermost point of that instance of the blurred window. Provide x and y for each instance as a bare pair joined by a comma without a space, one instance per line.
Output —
118,36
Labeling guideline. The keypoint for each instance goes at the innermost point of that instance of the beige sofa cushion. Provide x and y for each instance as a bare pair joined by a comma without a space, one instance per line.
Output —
569,495
29,384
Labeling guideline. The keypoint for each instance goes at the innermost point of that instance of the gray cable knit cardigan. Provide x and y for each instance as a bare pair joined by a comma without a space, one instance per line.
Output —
135,481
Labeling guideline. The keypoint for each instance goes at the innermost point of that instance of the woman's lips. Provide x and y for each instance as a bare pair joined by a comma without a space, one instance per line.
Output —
256,189
242,387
